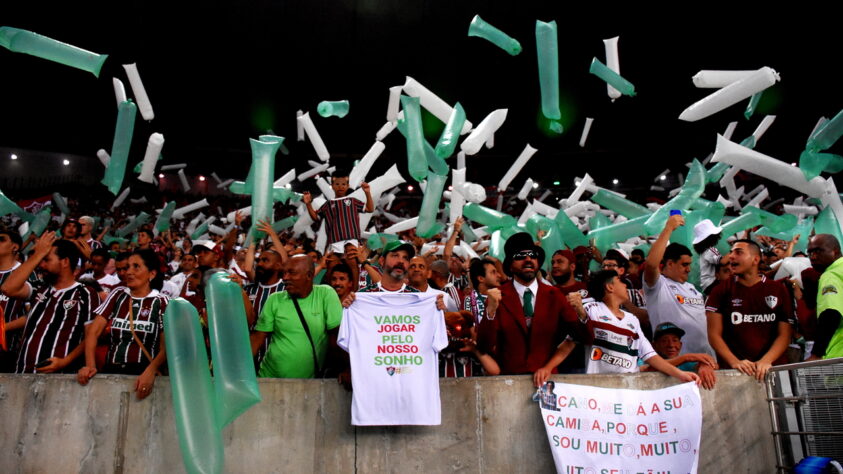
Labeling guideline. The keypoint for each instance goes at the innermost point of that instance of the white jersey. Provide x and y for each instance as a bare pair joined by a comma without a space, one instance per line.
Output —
669,301
393,341
708,260
618,343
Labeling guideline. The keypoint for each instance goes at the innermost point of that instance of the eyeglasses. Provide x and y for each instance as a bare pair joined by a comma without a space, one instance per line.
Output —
610,265
525,254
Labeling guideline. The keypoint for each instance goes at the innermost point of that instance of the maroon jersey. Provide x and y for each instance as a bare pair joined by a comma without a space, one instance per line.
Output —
577,286
751,315
147,318
12,308
56,324
342,218
258,294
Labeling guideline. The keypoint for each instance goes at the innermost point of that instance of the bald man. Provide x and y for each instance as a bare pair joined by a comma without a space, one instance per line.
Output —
418,276
299,319
824,251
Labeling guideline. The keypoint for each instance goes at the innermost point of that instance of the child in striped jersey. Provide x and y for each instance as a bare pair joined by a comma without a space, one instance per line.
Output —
618,342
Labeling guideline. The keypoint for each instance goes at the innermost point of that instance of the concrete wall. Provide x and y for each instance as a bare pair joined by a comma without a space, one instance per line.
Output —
51,424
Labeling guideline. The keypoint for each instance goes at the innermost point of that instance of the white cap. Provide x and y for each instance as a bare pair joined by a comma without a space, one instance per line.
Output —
704,229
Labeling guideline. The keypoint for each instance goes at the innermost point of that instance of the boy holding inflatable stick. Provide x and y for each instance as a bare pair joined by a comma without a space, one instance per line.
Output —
618,340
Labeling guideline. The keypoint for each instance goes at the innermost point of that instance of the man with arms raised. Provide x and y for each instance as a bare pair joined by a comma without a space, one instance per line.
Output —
55,326
11,309
670,297
749,316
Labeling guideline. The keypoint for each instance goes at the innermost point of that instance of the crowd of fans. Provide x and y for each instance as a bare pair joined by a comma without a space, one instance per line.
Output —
78,300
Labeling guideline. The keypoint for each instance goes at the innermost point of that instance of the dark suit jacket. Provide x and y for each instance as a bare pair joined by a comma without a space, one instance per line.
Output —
519,350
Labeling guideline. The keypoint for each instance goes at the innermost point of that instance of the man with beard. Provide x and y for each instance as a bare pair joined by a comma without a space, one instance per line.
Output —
299,320
750,317
529,319
562,269
55,326
268,281
395,261
825,255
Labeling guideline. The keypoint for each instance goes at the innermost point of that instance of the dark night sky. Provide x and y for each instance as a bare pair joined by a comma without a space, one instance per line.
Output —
218,73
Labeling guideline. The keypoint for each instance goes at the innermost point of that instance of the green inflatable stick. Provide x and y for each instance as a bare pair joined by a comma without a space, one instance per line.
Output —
448,140
713,174
481,29
239,187
748,142
282,194
538,222
753,103
611,77
551,242
571,235
434,161
812,163
607,235
235,382
285,223
27,42
622,206
556,127
61,204
416,157
548,56
333,109
827,134
488,217
201,229
197,425
775,222
691,190
826,223
138,221
263,164
739,224
426,228
7,206
123,131
163,222
110,239
803,228
377,241
39,224
597,221
468,234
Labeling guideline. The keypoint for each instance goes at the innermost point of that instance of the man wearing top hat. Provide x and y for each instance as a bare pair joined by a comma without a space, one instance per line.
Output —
526,319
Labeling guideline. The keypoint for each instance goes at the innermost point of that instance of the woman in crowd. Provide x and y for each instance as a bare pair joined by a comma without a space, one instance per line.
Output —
136,317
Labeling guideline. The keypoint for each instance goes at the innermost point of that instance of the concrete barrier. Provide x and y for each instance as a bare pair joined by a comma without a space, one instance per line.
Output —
51,424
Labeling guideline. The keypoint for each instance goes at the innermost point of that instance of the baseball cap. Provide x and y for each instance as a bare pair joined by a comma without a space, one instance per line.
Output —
667,328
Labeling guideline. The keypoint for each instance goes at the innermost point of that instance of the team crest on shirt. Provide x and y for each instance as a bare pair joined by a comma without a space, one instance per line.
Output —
69,304
144,312
347,204
390,370
771,301
583,293
829,290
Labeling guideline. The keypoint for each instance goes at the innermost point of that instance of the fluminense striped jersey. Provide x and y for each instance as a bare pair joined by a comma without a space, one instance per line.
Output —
12,309
258,294
56,324
342,218
148,319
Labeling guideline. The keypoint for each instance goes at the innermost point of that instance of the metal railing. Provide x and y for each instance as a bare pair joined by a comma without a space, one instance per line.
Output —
806,410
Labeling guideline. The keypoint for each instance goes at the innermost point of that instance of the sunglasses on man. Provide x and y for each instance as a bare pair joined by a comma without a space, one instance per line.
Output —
525,254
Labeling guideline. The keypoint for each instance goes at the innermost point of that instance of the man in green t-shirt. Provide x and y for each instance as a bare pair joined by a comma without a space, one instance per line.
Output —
291,351
825,254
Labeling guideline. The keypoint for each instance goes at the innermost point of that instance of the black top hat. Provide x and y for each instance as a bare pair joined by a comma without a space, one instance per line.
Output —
518,242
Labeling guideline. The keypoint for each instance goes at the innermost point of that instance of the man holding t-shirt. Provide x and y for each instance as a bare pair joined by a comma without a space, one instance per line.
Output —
749,316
